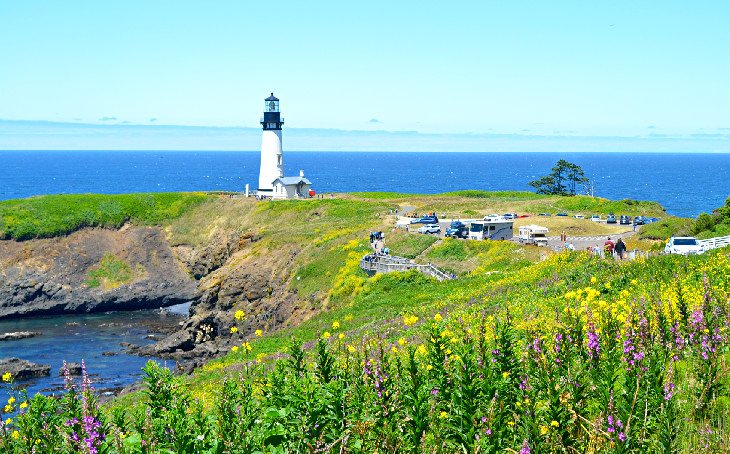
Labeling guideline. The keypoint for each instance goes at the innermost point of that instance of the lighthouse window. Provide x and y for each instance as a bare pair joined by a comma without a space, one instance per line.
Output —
279,159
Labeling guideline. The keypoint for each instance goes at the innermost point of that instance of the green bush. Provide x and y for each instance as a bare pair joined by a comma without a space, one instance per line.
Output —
56,215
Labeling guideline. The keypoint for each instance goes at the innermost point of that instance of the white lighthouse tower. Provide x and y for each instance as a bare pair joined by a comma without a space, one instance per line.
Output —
272,159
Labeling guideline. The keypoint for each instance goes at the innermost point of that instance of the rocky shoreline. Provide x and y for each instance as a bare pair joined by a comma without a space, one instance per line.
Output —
50,276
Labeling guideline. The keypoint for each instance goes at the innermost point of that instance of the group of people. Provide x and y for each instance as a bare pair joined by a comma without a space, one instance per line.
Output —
619,248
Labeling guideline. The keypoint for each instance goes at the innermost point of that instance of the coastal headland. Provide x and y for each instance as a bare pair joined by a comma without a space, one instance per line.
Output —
284,323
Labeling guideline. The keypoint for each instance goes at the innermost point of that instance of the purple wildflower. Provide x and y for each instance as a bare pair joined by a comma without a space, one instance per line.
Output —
525,448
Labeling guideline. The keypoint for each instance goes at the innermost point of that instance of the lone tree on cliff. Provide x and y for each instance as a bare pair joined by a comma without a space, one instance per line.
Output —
563,179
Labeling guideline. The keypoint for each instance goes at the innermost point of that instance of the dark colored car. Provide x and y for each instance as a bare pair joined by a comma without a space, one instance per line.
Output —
544,214
565,215
625,220
639,220
457,229
611,218
426,220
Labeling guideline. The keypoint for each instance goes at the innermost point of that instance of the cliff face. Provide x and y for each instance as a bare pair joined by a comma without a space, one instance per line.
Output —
92,270
136,268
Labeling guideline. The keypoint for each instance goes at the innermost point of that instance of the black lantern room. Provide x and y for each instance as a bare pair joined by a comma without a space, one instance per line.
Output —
272,117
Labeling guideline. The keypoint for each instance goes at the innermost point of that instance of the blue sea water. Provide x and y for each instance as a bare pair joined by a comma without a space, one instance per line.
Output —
685,184
73,338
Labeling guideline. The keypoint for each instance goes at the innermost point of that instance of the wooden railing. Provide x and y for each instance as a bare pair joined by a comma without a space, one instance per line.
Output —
389,263
714,243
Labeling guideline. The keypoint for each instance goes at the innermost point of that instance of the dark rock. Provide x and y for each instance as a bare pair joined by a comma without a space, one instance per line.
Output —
109,353
48,276
21,369
74,369
17,335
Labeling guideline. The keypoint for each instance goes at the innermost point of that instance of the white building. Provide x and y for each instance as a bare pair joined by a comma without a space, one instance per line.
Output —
292,187
272,182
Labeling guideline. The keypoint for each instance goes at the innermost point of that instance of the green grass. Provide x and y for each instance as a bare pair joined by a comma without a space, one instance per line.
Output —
408,245
460,256
110,273
501,195
56,215
666,227
596,205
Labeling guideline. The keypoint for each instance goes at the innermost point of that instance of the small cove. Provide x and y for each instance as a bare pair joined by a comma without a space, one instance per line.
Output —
98,339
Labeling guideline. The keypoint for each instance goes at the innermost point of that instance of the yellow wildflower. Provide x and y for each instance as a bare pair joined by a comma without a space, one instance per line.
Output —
335,325
15,435
234,329
443,415
23,405
326,335
401,342
341,336
351,349
554,423
409,320
247,346
258,333
421,349
234,349
544,430
593,279
438,317
348,317
394,349
429,367
7,376
239,315
11,401
505,375
8,408
511,423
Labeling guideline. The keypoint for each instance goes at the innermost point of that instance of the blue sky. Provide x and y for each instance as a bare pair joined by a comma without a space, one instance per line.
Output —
558,69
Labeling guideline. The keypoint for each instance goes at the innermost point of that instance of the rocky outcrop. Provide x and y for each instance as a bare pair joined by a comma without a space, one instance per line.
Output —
17,335
226,274
50,276
21,369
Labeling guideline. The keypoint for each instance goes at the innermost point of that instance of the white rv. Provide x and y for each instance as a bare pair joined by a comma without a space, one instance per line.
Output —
533,234
492,227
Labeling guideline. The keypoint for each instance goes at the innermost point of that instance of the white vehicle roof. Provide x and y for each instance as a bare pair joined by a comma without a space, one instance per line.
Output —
535,228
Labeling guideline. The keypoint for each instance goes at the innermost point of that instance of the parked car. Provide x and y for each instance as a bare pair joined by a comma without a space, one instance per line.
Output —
430,228
544,214
457,229
650,220
684,245
611,218
565,215
625,220
639,220
596,218
429,219
580,216
510,215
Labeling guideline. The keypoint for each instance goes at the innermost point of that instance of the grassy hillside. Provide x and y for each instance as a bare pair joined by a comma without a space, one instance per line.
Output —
54,215
528,348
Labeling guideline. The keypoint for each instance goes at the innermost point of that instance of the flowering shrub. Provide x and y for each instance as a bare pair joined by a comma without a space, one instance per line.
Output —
571,354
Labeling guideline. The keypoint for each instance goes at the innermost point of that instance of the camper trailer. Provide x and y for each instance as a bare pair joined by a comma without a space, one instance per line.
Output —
492,227
533,234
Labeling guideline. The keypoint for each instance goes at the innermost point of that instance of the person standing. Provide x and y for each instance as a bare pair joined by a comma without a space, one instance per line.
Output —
608,246
620,248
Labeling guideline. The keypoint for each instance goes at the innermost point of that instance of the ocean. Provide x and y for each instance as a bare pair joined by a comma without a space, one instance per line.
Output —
686,184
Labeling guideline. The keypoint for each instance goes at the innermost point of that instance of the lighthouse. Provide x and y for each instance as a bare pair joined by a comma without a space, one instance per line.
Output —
272,182
272,159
